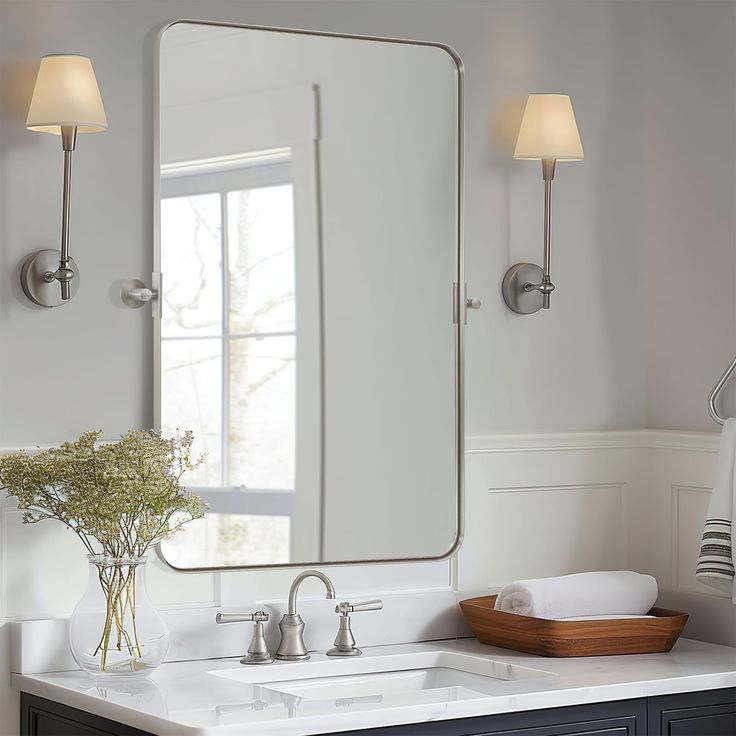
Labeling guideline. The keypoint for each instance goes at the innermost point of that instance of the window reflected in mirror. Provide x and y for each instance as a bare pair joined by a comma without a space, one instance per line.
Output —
228,353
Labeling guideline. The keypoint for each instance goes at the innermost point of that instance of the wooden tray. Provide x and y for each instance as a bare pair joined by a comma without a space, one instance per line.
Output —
573,638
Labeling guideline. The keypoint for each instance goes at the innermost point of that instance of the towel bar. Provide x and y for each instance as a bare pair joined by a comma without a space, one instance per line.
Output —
717,390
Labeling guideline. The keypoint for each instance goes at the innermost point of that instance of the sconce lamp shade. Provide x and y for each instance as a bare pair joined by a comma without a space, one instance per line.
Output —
548,130
66,93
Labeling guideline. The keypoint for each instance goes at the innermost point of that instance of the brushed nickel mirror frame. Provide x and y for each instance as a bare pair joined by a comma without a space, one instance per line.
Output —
460,302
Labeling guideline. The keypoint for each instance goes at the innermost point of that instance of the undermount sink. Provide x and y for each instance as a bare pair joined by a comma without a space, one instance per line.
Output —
376,679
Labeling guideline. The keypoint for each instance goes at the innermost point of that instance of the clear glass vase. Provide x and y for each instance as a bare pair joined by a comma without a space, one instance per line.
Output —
115,631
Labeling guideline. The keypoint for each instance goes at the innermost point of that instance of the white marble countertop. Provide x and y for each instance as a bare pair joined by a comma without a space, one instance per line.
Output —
184,698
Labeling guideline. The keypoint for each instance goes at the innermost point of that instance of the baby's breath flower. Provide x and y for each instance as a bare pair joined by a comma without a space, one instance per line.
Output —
120,497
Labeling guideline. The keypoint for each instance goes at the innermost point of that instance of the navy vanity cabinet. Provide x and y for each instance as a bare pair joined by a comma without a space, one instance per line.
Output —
708,713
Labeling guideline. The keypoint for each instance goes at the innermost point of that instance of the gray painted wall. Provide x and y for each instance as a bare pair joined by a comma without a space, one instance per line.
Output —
689,209
643,319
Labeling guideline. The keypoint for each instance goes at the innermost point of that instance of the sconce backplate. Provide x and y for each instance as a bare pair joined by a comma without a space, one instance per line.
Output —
517,298
40,290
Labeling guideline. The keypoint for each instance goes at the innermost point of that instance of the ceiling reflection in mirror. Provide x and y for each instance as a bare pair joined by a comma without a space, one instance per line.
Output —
308,245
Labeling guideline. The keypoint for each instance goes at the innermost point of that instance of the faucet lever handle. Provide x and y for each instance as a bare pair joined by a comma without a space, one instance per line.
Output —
345,641
236,618
258,650
346,607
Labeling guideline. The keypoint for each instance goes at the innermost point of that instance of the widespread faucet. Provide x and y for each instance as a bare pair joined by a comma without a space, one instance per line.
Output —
292,645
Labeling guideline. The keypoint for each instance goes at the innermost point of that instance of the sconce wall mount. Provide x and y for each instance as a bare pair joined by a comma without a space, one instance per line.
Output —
39,277
548,134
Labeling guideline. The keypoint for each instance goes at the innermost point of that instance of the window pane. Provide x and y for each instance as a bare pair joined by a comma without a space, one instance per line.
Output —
262,412
191,398
191,264
261,259
219,540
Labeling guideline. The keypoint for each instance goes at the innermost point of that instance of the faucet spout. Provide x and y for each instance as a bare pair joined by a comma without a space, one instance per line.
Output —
294,590
292,646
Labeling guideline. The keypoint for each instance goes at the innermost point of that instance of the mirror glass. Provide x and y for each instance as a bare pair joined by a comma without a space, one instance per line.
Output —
307,241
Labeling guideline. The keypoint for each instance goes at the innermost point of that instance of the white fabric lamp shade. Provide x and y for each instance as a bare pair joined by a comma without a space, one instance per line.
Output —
548,130
66,93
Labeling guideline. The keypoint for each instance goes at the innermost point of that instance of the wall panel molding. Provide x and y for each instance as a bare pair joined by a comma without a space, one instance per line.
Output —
689,507
553,488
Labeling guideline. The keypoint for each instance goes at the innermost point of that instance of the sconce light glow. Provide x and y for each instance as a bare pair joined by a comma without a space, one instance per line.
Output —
548,133
66,101
66,93
548,130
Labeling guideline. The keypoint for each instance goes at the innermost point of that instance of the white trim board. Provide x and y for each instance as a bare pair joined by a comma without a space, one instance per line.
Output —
618,439
613,439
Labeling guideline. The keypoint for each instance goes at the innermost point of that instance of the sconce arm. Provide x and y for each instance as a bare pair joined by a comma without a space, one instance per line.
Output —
64,274
44,267
548,174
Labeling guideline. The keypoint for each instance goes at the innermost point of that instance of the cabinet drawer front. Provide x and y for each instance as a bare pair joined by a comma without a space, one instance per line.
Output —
610,727
721,724
40,717
710,713
622,718
46,724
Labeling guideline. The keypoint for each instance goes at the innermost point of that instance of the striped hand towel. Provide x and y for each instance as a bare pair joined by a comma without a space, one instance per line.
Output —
716,561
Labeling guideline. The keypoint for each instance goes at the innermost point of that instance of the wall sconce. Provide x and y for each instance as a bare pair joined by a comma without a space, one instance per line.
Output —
548,134
66,101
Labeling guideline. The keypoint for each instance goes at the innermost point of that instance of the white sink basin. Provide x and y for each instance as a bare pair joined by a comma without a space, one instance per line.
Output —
358,686
381,678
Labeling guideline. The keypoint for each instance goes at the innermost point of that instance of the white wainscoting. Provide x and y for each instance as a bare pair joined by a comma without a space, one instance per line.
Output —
539,505
535,505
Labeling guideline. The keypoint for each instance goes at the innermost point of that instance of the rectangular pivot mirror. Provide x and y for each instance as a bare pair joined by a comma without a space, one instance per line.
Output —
310,329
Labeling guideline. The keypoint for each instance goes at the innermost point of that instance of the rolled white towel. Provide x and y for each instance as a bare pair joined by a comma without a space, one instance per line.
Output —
612,593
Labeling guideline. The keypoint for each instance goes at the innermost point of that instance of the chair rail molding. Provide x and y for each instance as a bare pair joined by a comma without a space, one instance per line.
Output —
664,439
